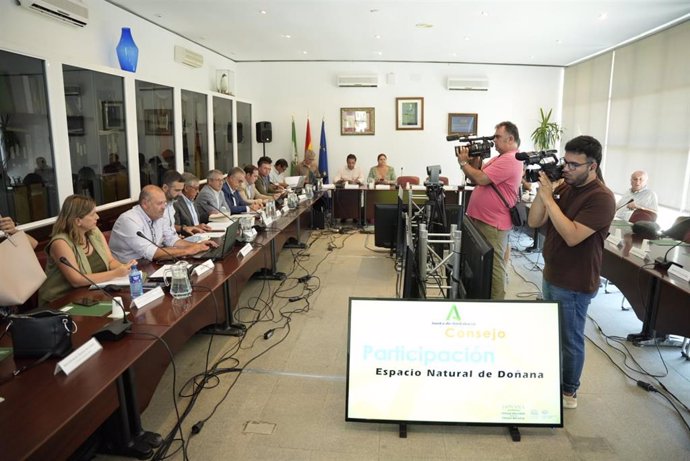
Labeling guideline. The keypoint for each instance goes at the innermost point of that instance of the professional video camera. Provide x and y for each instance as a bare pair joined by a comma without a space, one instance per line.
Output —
478,146
545,160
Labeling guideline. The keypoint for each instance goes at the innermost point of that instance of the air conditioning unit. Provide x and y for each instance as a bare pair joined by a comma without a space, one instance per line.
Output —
188,57
366,81
71,11
467,84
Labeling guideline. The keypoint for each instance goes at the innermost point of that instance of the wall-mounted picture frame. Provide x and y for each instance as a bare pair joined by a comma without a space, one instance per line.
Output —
409,113
113,115
357,121
158,122
462,124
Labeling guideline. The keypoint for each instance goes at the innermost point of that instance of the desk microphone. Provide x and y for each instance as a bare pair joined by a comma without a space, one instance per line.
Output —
141,234
629,201
664,263
117,328
217,209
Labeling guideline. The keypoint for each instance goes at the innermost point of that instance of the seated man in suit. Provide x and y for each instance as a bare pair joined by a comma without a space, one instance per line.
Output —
248,191
231,190
149,218
186,214
638,197
263,184
211,199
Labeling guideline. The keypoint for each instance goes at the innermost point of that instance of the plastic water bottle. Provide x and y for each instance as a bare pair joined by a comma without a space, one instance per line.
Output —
136,287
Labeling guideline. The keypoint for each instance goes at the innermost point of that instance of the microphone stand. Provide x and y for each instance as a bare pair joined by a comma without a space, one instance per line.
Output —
141,234
116,329
133,441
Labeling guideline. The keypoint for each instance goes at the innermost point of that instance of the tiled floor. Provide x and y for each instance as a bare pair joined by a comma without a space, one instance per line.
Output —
289,402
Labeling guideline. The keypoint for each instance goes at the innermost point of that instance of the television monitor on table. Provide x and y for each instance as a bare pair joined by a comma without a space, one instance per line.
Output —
445,361
476,263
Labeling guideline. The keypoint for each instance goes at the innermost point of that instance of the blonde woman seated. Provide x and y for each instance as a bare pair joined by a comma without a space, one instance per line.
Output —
76,238
382,173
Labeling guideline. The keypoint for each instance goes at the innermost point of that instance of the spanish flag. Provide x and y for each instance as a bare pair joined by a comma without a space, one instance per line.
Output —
307,140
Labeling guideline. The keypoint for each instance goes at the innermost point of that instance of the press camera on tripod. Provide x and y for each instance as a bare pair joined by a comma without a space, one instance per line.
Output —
545,160
477,146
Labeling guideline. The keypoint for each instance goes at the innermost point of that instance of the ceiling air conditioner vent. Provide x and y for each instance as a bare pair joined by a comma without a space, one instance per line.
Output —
71,11
366,81
188,57
467,84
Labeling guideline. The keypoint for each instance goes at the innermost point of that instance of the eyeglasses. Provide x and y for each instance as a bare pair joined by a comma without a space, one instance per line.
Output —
574,165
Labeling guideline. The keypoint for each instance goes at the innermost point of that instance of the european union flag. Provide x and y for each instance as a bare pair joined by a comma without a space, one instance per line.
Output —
323,154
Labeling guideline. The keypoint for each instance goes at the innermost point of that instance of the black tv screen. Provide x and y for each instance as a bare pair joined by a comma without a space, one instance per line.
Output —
476,262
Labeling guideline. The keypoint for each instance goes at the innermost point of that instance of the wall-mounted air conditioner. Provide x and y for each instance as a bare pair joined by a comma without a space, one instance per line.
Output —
367,81
467,84
188,57
71,11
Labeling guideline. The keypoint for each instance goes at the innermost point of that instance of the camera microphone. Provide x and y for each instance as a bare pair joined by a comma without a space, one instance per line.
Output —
522,156
141,234
117,328
453,137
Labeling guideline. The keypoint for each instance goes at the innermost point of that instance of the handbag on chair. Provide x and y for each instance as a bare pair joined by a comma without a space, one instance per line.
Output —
21,274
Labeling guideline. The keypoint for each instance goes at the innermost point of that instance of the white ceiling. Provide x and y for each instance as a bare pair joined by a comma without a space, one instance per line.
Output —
555,33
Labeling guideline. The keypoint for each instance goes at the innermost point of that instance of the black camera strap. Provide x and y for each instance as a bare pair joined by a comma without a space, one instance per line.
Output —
500,196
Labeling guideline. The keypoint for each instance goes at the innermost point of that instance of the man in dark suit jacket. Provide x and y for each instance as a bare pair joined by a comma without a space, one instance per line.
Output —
231,191
187,216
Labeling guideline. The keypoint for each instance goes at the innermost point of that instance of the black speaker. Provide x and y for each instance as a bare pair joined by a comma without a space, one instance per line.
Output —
264,133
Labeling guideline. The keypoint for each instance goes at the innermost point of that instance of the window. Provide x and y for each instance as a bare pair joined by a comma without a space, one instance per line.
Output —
29,190
195,133
155,123
222,133
97,138
244,133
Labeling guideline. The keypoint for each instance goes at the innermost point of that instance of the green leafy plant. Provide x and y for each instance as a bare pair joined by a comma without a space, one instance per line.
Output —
547,134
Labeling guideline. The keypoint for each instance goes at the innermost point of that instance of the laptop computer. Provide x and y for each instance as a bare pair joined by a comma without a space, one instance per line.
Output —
295,182
224,246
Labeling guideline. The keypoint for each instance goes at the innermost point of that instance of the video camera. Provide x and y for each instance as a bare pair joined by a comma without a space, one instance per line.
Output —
478,146
546,161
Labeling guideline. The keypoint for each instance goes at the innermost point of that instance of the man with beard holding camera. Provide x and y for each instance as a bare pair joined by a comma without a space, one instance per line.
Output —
486,209
576,213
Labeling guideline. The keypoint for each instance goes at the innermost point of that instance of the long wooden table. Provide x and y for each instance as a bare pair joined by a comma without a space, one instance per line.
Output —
660,300
47,416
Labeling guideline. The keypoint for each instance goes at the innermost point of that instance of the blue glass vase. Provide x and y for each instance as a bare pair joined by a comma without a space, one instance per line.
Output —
127,51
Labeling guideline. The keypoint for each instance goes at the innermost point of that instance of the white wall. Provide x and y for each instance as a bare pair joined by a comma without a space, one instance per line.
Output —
280,90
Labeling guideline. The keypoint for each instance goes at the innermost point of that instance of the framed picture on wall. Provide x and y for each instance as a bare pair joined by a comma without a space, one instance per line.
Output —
357,121
158,122
113,114
409,113
462,124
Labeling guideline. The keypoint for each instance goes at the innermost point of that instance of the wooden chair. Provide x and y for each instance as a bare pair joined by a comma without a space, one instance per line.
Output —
444,180
405,180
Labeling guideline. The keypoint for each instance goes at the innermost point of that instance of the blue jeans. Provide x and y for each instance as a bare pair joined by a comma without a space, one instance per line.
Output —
574,306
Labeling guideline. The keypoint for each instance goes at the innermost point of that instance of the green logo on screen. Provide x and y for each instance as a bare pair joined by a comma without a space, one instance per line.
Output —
453,314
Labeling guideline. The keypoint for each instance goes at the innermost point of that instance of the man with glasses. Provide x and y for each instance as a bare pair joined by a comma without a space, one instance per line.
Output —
576,213
211,199
486,209
186,214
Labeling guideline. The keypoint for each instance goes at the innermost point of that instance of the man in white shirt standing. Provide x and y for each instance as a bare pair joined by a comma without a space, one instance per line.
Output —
350,174
638,197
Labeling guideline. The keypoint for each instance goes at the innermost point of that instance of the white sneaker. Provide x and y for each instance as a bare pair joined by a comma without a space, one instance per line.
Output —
570,401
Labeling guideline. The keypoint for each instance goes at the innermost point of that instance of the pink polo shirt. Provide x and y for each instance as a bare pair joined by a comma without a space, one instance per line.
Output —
485,205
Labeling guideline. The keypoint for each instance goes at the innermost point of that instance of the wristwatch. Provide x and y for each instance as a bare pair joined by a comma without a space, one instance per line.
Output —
463,163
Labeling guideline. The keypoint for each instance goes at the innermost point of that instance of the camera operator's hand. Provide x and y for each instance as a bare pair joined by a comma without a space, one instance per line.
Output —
463,154
546,187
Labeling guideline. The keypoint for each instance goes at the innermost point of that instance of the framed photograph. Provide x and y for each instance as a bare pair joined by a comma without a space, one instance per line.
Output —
357,121
113,113
158,122
462,124
409,113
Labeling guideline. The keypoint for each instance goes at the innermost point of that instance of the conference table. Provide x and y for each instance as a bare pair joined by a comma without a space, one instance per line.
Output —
661,300
48,416
359,204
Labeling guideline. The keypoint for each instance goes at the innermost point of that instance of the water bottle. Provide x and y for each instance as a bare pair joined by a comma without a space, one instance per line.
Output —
136,287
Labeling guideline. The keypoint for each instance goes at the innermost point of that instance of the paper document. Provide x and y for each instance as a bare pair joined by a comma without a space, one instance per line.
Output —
119,281
219,226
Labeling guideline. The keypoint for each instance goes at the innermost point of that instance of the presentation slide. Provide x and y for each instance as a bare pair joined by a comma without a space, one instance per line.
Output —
483,362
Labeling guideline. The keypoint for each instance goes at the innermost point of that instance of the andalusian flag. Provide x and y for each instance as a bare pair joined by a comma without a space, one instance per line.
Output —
307,140
323,154
294,149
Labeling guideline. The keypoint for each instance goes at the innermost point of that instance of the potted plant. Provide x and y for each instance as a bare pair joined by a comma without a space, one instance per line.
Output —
547,134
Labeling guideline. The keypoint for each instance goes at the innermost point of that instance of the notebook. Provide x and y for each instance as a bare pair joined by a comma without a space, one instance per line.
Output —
224,246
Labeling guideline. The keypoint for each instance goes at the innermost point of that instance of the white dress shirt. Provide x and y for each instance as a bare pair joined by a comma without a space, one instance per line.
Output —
126,245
